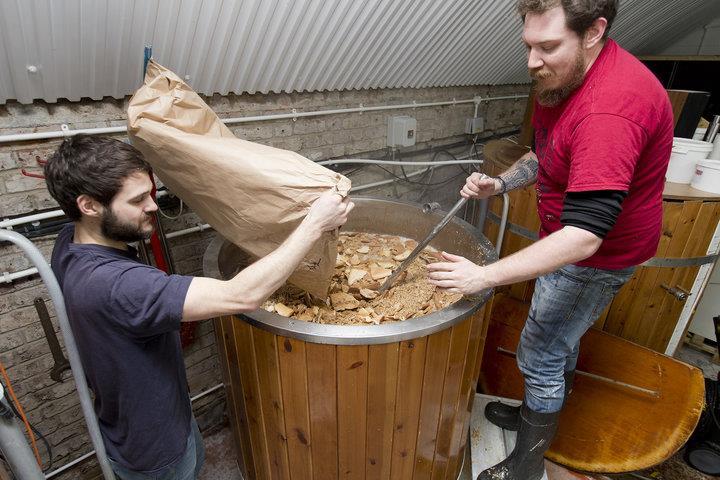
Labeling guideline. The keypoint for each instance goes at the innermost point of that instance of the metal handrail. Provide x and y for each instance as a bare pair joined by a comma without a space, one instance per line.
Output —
73,355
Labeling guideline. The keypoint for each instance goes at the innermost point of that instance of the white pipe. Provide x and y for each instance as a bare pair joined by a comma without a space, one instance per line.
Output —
391,162
70,464
90,454
385,182
9,277
197,228
207,392
65,131
9,223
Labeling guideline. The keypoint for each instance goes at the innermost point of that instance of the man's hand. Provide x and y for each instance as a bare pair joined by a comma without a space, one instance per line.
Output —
480,186
328,212
457,275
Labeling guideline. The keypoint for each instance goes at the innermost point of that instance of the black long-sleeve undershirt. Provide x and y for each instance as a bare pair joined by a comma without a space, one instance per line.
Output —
595,211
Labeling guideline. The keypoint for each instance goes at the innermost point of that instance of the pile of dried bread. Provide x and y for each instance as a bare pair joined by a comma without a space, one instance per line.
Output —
363,263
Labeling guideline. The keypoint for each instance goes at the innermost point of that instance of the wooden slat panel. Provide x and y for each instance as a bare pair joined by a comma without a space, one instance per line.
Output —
642,315
234,354
458,439
407,407
706,223
224,345
322,385
630,293
293,375
451,393
352,382
436,363
251,389
684,247
382,387
271,402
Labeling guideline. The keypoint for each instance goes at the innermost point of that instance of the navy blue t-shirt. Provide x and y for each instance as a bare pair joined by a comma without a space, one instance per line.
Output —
125,317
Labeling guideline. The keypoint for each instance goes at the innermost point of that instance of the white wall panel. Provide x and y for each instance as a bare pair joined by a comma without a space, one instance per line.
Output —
94,48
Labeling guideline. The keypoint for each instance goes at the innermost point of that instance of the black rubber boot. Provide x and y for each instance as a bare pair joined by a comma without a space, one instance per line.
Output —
526,462
507,417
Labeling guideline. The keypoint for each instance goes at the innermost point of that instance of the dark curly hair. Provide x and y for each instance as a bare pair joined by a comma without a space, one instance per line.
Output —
90,165
580,14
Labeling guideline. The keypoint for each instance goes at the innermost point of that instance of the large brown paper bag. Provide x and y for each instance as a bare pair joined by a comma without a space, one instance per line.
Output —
252,194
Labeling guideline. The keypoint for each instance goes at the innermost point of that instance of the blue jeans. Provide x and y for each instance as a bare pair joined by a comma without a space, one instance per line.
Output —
566,303
186,468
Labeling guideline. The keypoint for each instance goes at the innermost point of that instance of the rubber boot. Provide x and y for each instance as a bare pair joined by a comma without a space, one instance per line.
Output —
507,417
526,462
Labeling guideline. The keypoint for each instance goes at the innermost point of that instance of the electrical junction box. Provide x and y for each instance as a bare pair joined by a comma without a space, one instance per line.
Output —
401,131
474,125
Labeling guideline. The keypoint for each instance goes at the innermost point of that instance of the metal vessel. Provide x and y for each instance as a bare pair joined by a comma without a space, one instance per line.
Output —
321,401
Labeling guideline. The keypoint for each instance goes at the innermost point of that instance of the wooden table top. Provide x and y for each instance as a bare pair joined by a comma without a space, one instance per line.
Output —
681,191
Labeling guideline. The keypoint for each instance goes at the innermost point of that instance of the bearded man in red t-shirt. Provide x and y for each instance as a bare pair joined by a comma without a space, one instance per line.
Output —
603,135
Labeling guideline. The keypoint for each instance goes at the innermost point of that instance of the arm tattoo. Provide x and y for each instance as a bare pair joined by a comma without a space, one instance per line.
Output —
522,173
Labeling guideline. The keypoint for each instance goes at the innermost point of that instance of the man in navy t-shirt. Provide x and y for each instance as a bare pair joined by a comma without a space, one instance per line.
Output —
126,315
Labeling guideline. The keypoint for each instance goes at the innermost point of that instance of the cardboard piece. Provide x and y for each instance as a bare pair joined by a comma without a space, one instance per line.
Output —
252,194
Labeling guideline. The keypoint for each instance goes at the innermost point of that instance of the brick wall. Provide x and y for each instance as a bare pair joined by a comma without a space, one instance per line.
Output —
53,407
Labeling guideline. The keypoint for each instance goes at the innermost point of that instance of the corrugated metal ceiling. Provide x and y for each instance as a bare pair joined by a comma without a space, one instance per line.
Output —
93,48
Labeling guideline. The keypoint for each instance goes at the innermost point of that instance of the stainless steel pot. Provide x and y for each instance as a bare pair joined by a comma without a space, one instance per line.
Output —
222,260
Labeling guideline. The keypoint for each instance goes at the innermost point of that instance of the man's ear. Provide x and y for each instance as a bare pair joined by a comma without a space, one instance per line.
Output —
88,206
594,34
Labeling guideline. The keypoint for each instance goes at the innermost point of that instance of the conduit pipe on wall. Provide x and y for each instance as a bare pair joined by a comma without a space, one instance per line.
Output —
294,115
9,223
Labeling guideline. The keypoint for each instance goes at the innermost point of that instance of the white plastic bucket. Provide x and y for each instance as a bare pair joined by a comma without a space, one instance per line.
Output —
715,154
685,155
707,176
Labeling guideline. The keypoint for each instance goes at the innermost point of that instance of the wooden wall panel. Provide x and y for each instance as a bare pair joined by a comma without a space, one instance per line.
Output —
293,374
266,356
352,381
436,364
322,364
382,388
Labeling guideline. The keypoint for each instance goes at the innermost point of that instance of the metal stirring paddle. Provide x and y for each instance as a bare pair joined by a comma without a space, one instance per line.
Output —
403,266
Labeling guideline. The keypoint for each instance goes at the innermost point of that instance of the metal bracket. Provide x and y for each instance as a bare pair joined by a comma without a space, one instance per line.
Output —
514,228
677,292
670,262
680,262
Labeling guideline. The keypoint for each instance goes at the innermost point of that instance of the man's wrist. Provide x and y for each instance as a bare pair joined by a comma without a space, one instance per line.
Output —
503,186
308,229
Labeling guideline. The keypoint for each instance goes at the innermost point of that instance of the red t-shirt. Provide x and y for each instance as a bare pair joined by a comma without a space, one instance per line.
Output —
615,132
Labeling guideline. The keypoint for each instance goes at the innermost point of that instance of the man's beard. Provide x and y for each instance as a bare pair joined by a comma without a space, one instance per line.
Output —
118,231
554,97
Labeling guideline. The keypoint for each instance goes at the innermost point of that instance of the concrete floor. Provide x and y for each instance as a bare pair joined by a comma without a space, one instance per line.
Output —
221,464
